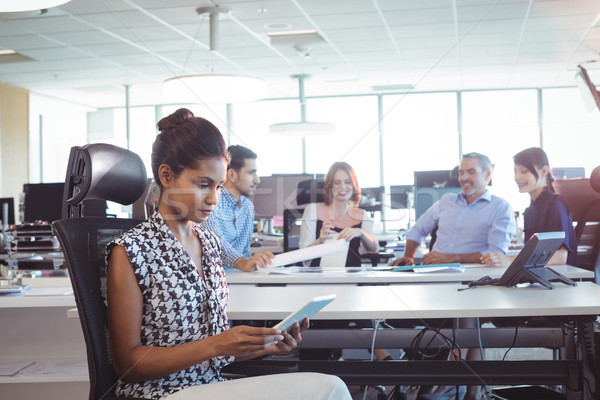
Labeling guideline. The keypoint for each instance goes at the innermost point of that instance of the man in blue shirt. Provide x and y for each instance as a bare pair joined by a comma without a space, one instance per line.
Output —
233,217
469,224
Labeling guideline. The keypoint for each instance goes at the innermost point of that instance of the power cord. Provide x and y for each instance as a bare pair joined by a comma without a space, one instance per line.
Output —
486,280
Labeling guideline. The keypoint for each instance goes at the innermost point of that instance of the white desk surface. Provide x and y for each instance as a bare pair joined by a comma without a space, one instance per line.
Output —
441,300
340,275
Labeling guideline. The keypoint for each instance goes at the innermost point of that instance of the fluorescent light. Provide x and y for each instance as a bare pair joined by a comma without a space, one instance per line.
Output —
28,5
302,129
292,33
214,89
7,52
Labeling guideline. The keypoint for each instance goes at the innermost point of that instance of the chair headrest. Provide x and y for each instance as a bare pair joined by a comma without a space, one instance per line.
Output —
595,179
310,191
104,172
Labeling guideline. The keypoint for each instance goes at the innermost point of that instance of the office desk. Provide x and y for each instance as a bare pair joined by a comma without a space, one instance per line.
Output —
441,300
35,327
366,276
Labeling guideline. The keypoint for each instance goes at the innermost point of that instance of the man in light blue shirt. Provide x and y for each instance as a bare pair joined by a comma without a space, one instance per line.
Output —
232,220
469,224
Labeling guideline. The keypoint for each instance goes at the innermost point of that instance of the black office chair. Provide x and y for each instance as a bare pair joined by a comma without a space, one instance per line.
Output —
107,172
83,242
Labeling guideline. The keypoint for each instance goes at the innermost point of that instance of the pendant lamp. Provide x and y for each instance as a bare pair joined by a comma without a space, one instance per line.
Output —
214,88
303,127
28,5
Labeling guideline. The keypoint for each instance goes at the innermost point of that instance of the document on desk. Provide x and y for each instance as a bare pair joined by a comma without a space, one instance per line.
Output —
421,269
308,253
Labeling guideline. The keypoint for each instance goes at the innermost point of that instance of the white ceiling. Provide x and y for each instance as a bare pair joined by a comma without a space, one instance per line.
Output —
87,50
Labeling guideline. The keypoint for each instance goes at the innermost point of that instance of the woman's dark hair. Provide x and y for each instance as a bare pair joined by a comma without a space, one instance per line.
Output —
535,157
183,141
343,166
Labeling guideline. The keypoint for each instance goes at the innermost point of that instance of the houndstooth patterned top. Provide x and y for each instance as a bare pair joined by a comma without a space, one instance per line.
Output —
179,307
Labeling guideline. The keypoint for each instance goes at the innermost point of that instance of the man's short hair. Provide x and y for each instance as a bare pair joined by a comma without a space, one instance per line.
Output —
484,161
238,156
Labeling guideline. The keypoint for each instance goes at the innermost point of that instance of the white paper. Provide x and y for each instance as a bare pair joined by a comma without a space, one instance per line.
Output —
335,259
308,253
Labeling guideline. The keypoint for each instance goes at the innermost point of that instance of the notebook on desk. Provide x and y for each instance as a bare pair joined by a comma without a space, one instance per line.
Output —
419,269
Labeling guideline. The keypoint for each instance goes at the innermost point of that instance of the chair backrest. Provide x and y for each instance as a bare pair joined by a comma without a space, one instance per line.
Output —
83,241
584,203
104,172
310,191
291,228
587,232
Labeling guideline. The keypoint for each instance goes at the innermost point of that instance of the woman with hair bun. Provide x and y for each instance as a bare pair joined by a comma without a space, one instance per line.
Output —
167,295
548,211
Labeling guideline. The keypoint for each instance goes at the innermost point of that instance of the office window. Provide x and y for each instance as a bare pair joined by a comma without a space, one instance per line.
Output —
420,134
62,125
571,133
355,142
499,124
250,128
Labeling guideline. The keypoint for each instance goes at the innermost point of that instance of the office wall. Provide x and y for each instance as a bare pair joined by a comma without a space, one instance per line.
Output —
14,139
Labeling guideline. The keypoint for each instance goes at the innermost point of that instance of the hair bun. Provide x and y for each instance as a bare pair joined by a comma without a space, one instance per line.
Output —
174,120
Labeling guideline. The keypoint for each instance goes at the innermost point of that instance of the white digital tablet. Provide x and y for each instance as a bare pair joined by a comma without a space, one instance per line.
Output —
313,306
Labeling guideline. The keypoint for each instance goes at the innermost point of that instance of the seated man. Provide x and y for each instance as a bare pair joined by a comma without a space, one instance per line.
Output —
233,217
469,224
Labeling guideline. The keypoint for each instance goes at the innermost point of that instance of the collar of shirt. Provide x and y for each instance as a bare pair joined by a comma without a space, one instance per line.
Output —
230,200
485,196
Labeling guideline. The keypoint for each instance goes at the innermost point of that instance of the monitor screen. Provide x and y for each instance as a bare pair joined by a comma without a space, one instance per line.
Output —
371,198
435,179
10,209
44,202
399,196
276,193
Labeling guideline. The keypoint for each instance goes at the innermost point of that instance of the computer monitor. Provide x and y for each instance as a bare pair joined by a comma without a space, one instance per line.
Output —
436,179
276,193
399,196
10,206
371,198
44,202
568,172
529,265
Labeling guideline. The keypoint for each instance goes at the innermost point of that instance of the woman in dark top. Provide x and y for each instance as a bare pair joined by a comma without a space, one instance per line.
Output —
548,211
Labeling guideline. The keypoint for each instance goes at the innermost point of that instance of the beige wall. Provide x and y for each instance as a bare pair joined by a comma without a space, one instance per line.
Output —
14,140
